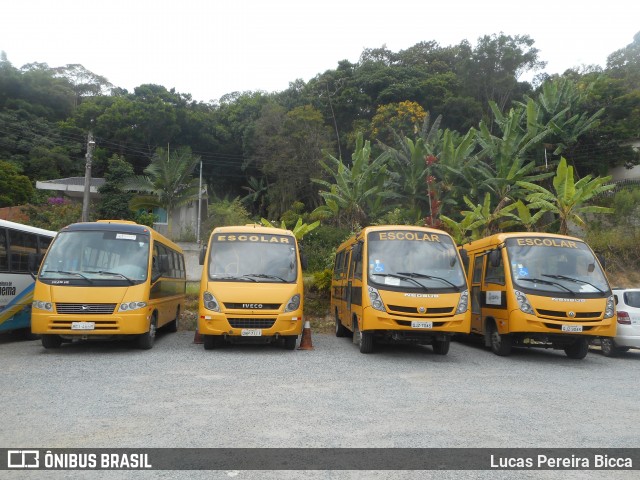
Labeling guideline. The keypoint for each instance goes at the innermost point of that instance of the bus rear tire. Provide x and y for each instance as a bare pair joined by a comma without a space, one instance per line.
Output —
441,347
500,344
172,326
146,340
211,342
577,350
341,331
290,342
51,341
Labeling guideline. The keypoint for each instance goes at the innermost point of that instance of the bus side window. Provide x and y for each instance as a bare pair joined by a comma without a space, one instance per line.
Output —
494,273
21,244
4,257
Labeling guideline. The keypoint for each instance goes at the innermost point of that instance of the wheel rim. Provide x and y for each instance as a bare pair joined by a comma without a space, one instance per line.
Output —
152,330
605,345
496,341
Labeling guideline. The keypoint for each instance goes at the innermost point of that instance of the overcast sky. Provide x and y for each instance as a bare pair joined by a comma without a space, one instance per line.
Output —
209,48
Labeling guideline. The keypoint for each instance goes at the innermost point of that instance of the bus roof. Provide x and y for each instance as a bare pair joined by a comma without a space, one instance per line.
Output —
382,228
252,227
27,228
500,238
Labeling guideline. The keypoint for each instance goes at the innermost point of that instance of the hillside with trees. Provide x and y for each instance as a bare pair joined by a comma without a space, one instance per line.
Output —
451,137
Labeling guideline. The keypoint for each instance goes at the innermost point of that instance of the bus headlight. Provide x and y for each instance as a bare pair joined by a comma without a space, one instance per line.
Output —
610,308
39,305
293,304
463,303
376,301
523,302
210,302
128,306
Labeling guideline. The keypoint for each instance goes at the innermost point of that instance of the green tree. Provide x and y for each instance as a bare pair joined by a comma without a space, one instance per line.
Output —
15,189
359,191
114,203
568,201
168,182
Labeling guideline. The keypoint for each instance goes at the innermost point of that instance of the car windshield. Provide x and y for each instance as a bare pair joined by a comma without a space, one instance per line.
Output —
87,256
242,257
414,260
555,265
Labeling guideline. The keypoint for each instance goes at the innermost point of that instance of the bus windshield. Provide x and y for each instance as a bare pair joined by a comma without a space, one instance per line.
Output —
253,258
555,265
408,260
96,257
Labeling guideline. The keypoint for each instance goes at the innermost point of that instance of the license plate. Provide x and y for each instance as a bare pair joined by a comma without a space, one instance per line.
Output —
572,328
83,325
251,332
421,324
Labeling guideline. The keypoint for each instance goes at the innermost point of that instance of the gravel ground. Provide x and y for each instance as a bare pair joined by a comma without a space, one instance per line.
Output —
108,394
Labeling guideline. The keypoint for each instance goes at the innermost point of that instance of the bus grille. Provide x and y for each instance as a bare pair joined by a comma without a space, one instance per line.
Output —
580,316
252,322
85,308
414,310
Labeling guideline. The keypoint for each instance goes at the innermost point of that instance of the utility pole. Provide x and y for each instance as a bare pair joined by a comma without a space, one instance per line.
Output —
87,177
199,205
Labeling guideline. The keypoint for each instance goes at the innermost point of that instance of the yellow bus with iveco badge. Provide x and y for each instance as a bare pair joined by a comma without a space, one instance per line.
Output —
538,290
251,289
106,279
399,283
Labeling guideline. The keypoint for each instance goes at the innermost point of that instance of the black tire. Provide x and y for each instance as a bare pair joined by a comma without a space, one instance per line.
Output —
172,326
290,342
211,342
441,347
577,350
341,331
608,347
51,341
146,340
500,344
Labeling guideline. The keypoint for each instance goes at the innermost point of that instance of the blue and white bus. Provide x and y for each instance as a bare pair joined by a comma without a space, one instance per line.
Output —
17,243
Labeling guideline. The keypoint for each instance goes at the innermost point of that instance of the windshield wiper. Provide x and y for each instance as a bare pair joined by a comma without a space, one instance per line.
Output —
264,275
545,282
232,277
70,273
571,279
102,272
422,275
402,277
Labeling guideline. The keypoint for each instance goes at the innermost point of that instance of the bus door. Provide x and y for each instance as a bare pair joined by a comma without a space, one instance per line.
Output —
476,302
354,285
494,290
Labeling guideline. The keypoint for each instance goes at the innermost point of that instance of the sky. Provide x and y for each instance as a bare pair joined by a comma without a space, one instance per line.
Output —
209,48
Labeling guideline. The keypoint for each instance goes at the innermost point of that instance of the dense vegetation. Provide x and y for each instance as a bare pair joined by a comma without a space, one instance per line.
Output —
445,136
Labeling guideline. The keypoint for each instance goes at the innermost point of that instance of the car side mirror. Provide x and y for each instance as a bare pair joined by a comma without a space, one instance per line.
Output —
203,254
495,258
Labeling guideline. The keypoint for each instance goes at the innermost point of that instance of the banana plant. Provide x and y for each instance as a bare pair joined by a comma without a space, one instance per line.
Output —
299,230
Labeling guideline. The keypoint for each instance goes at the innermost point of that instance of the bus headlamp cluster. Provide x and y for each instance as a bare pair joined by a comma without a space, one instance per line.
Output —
523,302
128,306
210,302
610,308
376,301
40,305
293,304
463,303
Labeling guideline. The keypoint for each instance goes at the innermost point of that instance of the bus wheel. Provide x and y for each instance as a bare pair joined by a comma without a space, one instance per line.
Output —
441,347
211,342
172,326
290,342
608,347
146,340
500,344
341,331
363,339
51,341
577,350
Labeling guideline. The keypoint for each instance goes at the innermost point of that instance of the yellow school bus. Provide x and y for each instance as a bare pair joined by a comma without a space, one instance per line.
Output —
399,283
108,279
538,290
251,289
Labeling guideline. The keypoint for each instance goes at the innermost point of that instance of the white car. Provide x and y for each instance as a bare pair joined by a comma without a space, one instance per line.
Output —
628,333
